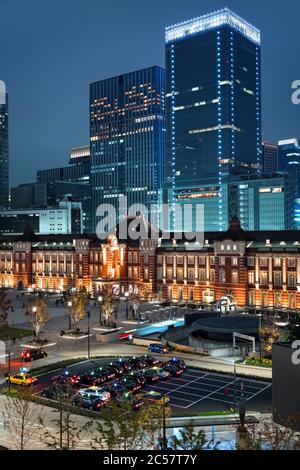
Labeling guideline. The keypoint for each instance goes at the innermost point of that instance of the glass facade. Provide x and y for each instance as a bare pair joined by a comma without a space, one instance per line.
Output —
266,203
213,86
289,159
4,150
127,138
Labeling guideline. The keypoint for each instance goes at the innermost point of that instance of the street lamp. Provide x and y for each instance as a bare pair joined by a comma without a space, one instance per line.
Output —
126,297
69,307
260,325
89,337
234,373
164,442
100,299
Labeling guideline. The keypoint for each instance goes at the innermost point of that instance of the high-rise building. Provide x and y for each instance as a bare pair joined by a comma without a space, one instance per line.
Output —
269,157
261,202
72,181
4,150
289,159
213,103
49,195
127,137
78,170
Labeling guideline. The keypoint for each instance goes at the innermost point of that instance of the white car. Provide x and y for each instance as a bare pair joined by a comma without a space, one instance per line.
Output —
95,392
163,374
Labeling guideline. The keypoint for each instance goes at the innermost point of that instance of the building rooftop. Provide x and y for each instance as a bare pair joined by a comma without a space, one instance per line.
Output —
212,21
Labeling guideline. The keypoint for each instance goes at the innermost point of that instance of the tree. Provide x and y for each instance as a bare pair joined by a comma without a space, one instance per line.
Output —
5,304
292,332
134,300
38,315
78,304
269,334
21,418
109,301
69,434
189,439
121,428
269,435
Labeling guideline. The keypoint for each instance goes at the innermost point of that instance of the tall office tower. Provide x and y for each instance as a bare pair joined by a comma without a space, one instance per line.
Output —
213,105
269,157
289,159
4,150
127,137
72,181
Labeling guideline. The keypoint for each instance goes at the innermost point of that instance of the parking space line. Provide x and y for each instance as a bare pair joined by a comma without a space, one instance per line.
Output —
261,391
181,386
212,393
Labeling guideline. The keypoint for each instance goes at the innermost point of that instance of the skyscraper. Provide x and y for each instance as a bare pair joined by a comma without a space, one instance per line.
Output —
269,157
127,137
4,151
289,159
213,104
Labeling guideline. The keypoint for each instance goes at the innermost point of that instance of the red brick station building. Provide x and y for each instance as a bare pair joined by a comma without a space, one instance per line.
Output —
249,268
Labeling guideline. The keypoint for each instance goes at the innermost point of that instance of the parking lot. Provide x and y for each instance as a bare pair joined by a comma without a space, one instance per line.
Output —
196,390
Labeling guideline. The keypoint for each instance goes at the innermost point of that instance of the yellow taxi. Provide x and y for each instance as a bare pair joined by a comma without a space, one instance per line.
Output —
21,379
156,397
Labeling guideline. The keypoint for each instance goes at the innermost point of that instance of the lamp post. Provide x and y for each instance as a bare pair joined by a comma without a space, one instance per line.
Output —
164,443
89,337
69,308
234,373
260,325
100,299
126,297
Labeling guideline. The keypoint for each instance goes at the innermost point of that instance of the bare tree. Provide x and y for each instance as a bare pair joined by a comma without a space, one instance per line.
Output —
69,433
38,315
78,302
5,304
109,301
269,435
121,428
21,418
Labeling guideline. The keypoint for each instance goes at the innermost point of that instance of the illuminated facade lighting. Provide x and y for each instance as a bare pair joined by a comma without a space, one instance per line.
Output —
212,21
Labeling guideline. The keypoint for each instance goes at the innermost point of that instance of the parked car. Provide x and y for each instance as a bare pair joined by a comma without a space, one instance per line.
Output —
173,370
178,362
158,348
107,372
138,376
91,379
90,403
21,379
117,368
138,363
162,373
156,397
151,376
66,378
125,363
131,385
151,361
54,392
29,355
136,403
97,392
115,389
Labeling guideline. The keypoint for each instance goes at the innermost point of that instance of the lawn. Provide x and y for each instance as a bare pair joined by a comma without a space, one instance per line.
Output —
14,333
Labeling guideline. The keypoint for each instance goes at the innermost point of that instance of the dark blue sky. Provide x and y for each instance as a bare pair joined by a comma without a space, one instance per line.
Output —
52,49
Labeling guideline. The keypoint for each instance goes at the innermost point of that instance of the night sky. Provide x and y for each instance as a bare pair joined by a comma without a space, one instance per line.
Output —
52,49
